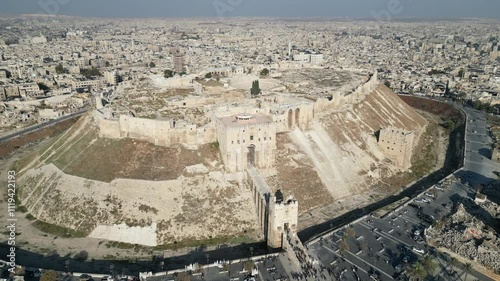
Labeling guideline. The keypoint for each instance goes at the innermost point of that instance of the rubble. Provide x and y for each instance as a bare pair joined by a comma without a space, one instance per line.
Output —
469,233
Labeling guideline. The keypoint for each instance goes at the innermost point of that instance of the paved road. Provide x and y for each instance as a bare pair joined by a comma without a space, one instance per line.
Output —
40,126
384,246
478,168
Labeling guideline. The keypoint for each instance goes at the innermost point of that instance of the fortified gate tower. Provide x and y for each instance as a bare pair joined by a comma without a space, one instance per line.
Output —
247,140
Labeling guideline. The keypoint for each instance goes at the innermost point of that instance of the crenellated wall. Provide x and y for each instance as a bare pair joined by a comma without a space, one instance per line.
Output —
324,106
158,132
286,117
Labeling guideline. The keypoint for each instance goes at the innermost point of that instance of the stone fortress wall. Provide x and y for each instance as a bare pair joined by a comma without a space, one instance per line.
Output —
338,101
397,145
283,217
158,132
286,112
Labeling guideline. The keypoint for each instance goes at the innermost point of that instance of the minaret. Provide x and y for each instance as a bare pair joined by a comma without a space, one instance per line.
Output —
289,49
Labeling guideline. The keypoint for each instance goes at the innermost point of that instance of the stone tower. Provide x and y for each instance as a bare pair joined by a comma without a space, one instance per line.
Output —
247,140
283,216
397,145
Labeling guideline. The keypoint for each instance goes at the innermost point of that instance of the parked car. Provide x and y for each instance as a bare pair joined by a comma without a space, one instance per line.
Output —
417,250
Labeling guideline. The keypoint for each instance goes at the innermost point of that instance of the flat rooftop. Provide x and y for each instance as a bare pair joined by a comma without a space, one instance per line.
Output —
245,119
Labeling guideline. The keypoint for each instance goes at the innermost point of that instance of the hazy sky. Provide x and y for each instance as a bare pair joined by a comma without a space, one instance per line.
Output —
267,8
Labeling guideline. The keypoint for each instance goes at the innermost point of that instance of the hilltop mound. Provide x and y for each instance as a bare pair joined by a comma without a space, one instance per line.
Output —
339,156
133,191
81,152
125,189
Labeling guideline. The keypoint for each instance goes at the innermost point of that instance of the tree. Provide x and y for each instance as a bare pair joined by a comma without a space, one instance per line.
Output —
152,64
416,271
90,72
49,275
449,124
344,246
43,87
168,73
264,72
351,232
248,266
461,73
467,268
255,90
453,262
59,69
208,75
387,84
82,256
429,264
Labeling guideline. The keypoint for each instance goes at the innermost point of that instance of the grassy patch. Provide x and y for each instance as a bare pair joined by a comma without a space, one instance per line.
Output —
75,149
57,230
124,246
426,159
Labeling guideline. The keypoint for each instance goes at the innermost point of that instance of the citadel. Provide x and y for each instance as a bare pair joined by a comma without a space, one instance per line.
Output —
245,131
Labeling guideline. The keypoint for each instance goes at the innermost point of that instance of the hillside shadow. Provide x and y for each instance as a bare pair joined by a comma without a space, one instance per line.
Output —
132,267
485,152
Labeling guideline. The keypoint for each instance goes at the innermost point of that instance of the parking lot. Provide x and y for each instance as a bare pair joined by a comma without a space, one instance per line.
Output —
380,248
376,248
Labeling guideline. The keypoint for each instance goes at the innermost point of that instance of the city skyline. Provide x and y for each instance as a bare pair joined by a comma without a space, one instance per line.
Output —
258,8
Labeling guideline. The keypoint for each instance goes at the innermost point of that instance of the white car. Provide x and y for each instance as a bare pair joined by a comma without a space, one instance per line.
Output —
420,251
438,188
430,194
425,200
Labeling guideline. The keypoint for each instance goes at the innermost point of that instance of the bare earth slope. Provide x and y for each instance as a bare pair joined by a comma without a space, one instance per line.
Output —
132,191
339,156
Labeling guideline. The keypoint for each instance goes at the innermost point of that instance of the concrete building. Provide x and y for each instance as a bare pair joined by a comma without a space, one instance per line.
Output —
302,57
179,63
307,57
30,90
111,77
247,140
4,74
316,59
86,83
226,71
397,145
